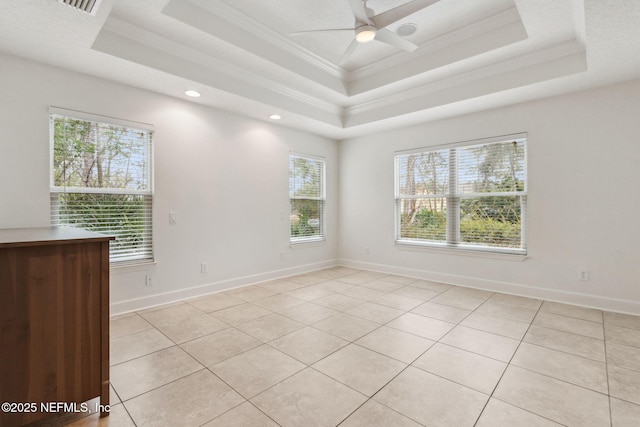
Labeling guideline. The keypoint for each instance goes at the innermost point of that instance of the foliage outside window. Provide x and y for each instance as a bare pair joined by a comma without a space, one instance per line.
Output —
466,196
307,198
101,180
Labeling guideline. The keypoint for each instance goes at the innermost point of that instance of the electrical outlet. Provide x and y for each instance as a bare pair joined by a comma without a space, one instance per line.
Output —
173,218
204,267
584,275
148,281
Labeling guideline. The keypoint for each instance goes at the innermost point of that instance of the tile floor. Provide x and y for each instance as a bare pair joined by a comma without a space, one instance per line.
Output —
357,348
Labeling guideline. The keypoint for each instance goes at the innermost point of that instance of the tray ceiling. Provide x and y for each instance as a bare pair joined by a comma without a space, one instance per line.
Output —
241,55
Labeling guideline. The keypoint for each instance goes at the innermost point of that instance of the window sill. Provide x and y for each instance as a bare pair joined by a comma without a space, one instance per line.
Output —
461,251
126,266
316,241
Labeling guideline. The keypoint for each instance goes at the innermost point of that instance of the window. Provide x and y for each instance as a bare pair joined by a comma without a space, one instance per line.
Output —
466,196
101,180
307,198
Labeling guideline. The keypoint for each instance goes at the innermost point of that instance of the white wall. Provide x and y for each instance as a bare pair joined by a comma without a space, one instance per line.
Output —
225,176
584,200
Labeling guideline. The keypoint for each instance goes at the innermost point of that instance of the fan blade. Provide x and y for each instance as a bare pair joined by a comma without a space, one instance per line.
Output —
359,11
347,53
390,16
389,37
295,33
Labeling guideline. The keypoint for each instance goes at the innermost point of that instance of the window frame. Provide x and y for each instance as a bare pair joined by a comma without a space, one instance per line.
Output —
147,256
453,198
322,199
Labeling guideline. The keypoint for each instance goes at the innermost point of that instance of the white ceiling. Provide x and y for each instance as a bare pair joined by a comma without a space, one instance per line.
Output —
472,54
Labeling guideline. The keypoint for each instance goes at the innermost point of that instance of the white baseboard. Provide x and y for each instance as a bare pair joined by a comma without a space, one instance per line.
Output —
135,304
574,298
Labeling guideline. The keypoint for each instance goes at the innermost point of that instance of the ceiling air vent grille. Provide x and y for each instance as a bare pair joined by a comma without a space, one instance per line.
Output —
88,6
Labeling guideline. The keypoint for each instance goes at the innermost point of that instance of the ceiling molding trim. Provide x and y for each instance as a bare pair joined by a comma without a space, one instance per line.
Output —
499,20
130,42
241,31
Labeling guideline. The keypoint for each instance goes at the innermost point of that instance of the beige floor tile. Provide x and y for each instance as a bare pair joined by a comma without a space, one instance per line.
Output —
154,370
308,345
183,330
553,399
332,286
417,293
173,313
507,312
309,399
338,302
189,401
280,285
135,345
383,285
362,277
374,414
394,278
308,278
334,272
219,346
240,313
118,417
308,293
579,345
215,302
278,302
583,313
570,324
434,286
346,326
400,302
269,327
515,301
363,293
359,368
624,384
624,414
128,324
496,325
501,414
308,313
396,344
244,415
425,327
114,399
441,312
375,312
484,343
563,366
469,369
432,400
465,298
255,370
618,335
623,356
251,293
622,320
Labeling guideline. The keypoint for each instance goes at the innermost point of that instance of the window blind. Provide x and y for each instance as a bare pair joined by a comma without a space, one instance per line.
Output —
466,196
101,180
307,198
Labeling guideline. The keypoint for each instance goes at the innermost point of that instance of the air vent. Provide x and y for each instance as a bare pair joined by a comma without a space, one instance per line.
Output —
87,6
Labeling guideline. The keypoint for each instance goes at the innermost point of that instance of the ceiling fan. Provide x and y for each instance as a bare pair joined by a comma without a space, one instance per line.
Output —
369,26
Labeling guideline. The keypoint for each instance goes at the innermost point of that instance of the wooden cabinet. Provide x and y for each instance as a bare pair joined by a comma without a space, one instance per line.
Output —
54,320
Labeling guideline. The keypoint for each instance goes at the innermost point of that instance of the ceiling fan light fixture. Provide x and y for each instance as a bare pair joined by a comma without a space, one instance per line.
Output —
365,33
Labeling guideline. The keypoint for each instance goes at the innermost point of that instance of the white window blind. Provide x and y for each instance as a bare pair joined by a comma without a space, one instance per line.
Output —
307,198
101,180
466,196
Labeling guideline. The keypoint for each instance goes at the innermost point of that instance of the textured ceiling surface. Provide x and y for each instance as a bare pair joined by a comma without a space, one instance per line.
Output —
242,56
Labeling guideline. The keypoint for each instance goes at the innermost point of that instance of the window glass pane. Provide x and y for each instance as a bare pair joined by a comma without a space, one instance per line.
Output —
423,173
99,155
423,219
306,178
306,218
496,167
494,221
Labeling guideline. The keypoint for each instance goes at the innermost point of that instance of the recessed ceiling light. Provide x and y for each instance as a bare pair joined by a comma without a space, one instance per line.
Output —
192,93
406,30
275,117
